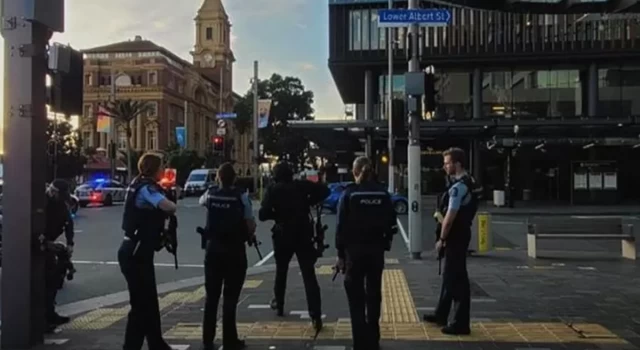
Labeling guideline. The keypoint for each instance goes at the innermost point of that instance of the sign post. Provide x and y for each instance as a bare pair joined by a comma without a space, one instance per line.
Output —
414,18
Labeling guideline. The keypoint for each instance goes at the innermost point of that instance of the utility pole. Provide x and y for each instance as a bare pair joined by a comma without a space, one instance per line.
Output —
390,43
111,148
27,26
256,155
414,154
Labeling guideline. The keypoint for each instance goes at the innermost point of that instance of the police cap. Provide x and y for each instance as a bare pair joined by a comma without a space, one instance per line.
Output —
62,187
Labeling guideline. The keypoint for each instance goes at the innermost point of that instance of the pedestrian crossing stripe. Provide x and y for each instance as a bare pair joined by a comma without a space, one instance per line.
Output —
106,317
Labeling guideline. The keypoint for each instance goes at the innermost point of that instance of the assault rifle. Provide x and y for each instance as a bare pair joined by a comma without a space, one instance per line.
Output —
255,243
170,234
319,232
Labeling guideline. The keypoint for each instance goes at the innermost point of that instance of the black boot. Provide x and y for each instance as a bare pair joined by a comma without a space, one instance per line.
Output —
278,307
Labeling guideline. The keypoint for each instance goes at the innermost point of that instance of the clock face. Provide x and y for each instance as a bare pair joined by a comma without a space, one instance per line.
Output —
208,57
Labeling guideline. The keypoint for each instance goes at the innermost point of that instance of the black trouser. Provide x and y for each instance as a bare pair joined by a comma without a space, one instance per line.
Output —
284,247
455,286
363,284
228,269
52,281
144,316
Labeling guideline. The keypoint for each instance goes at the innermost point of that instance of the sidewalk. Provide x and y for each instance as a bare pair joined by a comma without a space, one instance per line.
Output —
516,303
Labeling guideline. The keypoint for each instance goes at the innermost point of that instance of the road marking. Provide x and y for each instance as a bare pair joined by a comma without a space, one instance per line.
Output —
507,222
180,347
251,284
264,260
324,270
55,341
304,315
586,268
403,233
397,302
77,231
490,332
88,262
259,306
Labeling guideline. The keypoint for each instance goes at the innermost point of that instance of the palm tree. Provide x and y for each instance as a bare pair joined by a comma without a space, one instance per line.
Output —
126,111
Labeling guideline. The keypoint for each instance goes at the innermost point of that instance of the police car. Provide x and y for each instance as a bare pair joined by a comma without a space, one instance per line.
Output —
336,189
102,191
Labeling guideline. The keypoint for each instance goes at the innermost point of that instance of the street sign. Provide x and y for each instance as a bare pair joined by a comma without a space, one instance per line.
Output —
423,17
226,116
221,131
222,123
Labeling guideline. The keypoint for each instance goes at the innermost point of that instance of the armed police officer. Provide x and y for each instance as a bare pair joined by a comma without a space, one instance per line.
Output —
365,227
461,204
288,202
230,224
145,210
58,220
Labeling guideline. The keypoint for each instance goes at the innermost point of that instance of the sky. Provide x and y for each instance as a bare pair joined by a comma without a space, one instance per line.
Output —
288,37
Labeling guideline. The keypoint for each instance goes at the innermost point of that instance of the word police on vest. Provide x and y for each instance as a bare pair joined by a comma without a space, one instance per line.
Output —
221,205
371,201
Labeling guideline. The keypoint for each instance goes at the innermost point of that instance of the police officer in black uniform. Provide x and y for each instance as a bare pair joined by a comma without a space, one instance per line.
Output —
288,202
58,220
460,204
230,224
366,224
146,209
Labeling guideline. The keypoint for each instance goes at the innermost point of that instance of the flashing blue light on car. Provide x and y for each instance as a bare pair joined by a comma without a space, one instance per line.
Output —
99,180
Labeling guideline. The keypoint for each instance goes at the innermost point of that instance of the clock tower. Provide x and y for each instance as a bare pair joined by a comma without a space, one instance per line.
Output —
213,37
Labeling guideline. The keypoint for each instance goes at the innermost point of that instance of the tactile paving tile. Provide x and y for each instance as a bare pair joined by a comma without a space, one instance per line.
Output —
397,302
499,332
251,284
324,270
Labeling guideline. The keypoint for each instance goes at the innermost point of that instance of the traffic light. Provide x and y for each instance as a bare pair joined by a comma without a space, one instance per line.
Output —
218,144
430,92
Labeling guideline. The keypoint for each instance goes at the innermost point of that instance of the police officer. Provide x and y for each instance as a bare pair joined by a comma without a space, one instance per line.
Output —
461,206
145,210
58,219
230,223
366,223
288,202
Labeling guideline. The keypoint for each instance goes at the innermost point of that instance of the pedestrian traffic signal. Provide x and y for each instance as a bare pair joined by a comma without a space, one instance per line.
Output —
218,144
430,92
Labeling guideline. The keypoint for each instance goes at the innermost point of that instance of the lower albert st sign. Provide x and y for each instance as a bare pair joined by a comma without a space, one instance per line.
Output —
422,17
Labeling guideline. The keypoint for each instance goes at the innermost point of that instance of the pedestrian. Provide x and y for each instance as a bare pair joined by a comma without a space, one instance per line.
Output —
365,227
145,210
230,224
288,203
461,203
58,220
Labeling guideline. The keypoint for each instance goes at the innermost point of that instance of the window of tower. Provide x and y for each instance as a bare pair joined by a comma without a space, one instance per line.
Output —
209,33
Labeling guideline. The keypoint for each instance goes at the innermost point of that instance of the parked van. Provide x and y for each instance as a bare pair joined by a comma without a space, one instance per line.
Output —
198,181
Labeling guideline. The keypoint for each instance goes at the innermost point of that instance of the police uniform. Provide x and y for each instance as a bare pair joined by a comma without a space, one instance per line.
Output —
455,280
288,203
143,224
58,220
366,223
226,233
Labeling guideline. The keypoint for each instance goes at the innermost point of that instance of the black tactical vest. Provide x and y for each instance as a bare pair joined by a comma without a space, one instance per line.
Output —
368,213
142,224
57,217
467,212
225,215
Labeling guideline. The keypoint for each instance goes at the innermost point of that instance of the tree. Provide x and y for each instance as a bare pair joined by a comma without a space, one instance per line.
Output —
124,112
290,101
64,150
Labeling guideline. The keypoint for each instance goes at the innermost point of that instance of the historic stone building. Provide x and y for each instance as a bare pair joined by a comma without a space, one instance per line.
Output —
181,93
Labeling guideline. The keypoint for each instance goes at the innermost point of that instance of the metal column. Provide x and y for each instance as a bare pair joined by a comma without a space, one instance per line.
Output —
593,90
368,110
391,140
477,93
25,162
414,154
256,147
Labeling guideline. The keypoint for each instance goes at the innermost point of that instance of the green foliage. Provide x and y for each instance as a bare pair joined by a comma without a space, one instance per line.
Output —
64,150
126,111
183,161
290,101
